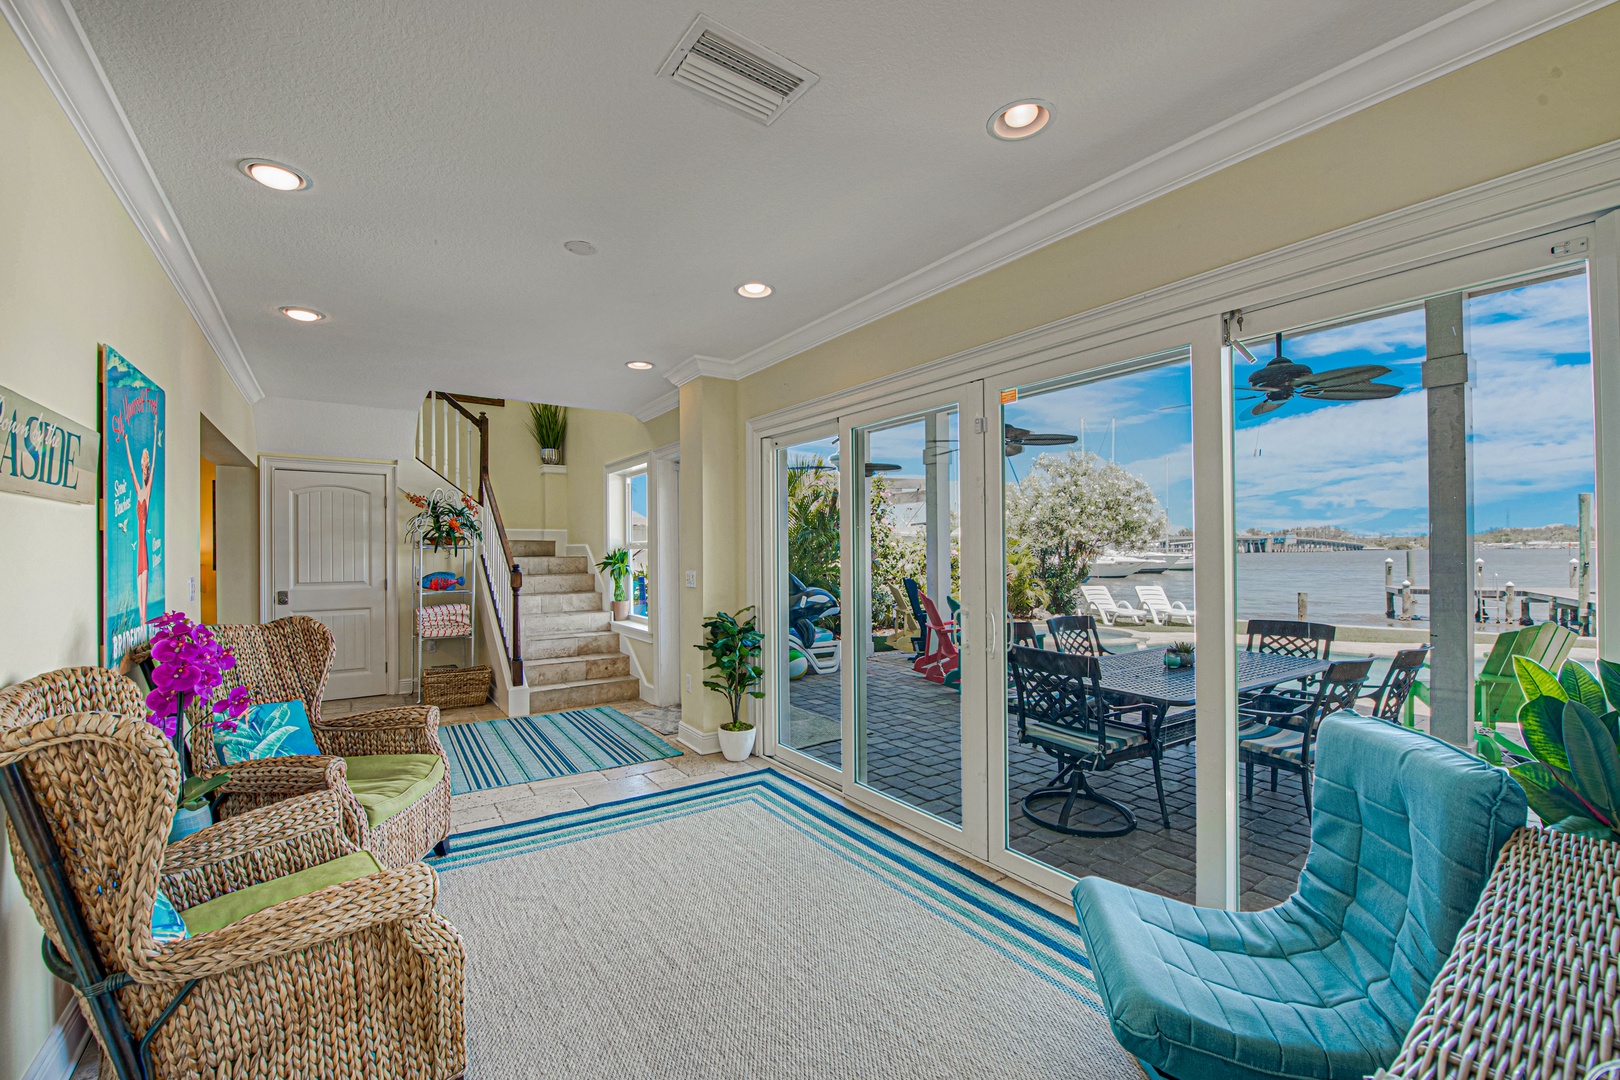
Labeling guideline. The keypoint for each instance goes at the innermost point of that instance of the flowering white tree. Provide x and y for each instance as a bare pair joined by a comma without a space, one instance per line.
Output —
1069,509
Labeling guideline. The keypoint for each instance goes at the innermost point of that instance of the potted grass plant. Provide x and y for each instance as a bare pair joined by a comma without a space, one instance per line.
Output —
549,425
733,645
616,565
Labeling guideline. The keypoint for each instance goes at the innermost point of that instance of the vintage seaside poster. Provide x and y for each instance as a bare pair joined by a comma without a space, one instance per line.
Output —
132,513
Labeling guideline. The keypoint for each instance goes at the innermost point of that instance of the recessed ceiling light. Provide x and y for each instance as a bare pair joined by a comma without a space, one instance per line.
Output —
1020,119
579,247
639,365
277,177
754,290
302,314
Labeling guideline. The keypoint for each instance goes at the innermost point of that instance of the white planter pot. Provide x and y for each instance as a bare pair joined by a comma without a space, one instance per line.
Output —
737,745
621,610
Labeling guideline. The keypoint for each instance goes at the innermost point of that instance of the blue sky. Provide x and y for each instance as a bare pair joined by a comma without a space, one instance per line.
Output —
1139,420
1361,465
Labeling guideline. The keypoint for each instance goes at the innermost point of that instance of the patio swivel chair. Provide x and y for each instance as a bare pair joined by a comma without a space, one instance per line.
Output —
1278,730
1076,634
1062,711
300,956
388,763
1326,985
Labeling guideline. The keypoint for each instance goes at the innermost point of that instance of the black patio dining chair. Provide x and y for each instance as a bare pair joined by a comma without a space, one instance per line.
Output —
1291,637
1389,700
1061,711
1076,634
1278,731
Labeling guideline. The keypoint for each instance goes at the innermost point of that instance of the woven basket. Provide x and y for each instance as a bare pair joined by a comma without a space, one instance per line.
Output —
452,687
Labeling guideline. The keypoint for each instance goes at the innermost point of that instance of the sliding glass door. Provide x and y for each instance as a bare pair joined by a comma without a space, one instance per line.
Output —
985,619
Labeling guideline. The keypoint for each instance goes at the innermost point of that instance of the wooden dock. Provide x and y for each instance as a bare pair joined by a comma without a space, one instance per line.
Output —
1563,606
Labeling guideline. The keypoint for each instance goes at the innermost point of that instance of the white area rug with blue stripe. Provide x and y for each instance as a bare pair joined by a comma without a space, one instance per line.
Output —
850,950
500,753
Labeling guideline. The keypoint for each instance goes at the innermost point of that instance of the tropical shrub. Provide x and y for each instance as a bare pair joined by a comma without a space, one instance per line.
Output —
1070,509
1025,593
1569,765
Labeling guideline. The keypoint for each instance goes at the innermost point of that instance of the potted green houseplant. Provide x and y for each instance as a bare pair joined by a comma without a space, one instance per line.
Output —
549,424
1179,654
1569,765
733,645
616,565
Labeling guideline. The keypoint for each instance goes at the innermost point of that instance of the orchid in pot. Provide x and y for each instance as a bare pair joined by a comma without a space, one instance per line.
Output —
189,663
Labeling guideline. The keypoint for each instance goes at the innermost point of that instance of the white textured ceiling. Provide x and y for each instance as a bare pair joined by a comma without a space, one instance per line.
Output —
455,146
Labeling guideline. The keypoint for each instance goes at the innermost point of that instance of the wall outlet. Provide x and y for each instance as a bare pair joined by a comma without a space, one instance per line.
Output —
691,579
191,588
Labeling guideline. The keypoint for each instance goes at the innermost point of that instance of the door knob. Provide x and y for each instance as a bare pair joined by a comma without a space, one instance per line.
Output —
281,598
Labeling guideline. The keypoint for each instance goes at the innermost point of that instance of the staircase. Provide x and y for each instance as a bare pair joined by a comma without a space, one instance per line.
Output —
571,657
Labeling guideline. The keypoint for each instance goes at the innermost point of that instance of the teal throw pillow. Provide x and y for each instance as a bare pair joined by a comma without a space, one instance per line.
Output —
167,925
273,729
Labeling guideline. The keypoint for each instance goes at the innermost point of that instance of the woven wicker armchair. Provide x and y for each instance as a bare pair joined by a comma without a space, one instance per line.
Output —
357,979
290,659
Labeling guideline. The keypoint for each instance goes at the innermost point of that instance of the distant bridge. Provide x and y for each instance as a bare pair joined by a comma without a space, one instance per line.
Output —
1275,542
1293,542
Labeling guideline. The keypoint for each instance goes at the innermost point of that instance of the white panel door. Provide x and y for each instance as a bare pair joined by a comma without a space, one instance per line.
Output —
328,560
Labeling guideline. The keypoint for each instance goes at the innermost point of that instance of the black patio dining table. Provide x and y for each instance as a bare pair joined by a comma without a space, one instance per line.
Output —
1143,676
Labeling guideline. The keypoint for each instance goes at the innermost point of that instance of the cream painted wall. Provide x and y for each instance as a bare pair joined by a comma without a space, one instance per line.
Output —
74,273
237,527
575,501
712,534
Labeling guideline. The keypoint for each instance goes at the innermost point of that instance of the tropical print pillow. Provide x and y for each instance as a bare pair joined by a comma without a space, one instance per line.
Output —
167,925
273,729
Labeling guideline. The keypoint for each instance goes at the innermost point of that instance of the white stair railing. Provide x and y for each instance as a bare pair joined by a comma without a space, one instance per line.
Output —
454,443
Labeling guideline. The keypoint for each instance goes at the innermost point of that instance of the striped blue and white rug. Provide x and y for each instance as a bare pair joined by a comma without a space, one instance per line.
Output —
840,948
499,753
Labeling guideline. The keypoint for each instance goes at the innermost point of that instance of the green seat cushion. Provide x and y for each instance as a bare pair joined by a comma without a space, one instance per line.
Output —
385,784
233,907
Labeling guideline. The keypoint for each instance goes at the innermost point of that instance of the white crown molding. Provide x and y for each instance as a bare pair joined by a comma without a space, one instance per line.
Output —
658,406
698,366
1470,33
50,32
1541,200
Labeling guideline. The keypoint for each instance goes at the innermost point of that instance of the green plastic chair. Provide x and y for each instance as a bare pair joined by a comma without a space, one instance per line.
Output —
1497,696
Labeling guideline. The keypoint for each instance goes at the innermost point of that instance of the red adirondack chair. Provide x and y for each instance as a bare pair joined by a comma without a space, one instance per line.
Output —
936,665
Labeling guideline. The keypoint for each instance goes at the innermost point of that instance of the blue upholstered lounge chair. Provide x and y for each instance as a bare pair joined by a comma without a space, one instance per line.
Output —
1326,985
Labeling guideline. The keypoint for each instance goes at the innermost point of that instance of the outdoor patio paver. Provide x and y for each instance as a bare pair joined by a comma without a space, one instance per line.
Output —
914,753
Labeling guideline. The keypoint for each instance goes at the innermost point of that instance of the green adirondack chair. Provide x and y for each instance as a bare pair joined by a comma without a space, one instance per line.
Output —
1497,696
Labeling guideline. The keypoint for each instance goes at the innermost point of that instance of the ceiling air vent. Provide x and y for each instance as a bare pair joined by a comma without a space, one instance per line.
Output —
741,74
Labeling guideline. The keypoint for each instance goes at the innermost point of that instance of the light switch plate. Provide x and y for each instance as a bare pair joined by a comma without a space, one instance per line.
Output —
191,588
691,579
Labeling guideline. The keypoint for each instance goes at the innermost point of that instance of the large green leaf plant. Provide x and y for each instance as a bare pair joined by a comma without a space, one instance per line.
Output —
1569,765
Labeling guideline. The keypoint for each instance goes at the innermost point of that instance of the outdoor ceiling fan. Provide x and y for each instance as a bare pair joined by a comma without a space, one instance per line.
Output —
1016,438
1281,379
872,467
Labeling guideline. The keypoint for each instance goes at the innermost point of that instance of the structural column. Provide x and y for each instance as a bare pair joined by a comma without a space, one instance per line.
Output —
937,505
1215,592
1605,283
1448,379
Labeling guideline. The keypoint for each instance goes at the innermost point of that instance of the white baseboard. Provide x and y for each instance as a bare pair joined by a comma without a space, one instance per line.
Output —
63,1047
699,742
